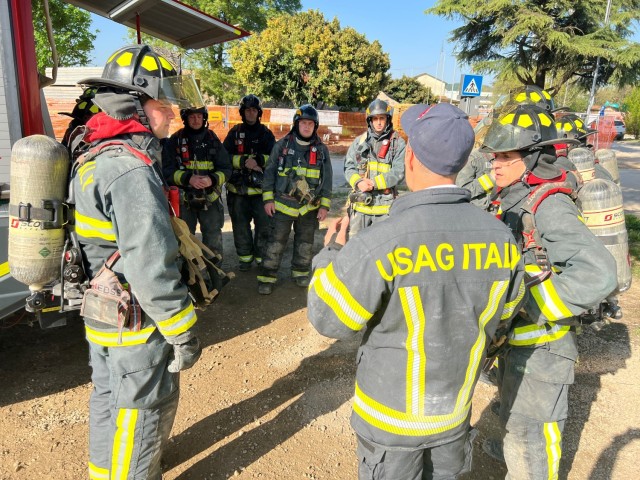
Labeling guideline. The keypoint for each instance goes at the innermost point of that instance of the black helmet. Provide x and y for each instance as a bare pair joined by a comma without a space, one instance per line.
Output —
138,69
85,108
572,126
250,101
306,112
185,112
521,128
380,107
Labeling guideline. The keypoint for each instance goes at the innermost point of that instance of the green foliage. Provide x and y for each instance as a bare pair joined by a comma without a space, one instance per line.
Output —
633,230
304,58
632,107
408,90
532,40
74,40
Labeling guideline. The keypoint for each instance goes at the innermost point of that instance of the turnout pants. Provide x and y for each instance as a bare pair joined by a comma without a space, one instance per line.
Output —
534,385
211,222
444,462
131,409
242,210
304,227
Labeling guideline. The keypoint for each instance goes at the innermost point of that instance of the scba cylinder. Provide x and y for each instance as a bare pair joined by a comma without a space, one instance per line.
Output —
584,160
607,158
601,204
39,175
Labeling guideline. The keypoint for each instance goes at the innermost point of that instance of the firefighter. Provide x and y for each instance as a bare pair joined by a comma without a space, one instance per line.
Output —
296,193
438,276
568,270
80,115
374,166
137,346
195,161
249,144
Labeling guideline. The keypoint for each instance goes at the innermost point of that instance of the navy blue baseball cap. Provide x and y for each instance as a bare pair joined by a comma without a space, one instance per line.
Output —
440,136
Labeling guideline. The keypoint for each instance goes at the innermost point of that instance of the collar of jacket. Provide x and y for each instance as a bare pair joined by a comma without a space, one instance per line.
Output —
430,196
102,126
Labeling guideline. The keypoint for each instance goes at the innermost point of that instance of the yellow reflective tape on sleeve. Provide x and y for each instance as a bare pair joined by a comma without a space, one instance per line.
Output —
221,177
486,183
416,358
509,307
380,182
235,161
267,196
123,442
4,269
336,295
179,323
401,423
354,179
552,439
88,227
110,339
325,202
549,302
535,334
97,473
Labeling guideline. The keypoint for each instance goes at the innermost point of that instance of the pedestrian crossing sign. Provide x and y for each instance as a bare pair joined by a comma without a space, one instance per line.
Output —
471,86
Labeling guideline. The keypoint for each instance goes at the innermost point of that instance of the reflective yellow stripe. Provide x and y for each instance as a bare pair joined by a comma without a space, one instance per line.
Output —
379,167
371,209
302,171
254,191
97,473
4,269
401,423
266,196
110,339
246,258
509,307
308,208
88,227
287,210
84,175
221,177
354,179
416,358
548,301
235,161
123,442
265,279
200,165
336,295
299,273
325,202
496,293
179,323
553,437
534,334
380,182
485,182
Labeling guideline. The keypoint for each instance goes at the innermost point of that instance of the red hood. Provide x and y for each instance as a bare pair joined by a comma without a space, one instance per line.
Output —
532,180
103,126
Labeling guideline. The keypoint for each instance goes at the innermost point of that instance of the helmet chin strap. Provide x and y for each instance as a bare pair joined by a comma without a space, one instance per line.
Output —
142,117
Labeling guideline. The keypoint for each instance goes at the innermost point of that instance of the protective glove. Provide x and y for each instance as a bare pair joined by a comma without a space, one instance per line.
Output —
185,355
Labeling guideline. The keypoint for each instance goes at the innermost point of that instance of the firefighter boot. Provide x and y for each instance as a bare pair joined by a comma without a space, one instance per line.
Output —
265,288
493,448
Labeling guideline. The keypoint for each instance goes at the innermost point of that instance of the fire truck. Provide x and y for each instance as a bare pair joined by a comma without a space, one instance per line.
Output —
23,107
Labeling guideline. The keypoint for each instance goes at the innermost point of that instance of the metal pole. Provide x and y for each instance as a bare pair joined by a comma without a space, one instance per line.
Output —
595,73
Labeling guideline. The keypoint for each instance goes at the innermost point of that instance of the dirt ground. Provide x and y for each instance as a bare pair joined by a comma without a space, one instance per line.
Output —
270,397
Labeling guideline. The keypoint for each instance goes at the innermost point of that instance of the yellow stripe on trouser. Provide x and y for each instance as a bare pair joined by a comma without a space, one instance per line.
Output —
401,423
416,358
97,473
553,437
496,293
336,295
123,443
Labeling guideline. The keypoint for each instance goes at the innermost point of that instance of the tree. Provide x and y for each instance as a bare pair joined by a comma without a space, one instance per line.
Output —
632,107
74,40
535,39
304,58
408,90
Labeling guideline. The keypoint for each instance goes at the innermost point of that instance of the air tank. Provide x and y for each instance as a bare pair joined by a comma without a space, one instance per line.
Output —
584,160
607,158
39,175
601,204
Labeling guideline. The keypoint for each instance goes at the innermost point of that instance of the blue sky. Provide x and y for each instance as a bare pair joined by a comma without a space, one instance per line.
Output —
416,42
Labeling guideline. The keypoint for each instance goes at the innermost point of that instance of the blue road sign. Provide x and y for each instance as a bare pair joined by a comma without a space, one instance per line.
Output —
471,86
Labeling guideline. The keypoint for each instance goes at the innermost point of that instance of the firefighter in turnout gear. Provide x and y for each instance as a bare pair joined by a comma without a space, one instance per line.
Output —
138,316
296,193
438,276
568,270
249,144
195,160
374,166
81,113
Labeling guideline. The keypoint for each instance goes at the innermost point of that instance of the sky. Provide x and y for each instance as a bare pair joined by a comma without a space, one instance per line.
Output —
416,42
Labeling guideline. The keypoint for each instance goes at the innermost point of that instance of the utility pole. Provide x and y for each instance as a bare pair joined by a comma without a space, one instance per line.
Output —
595,73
